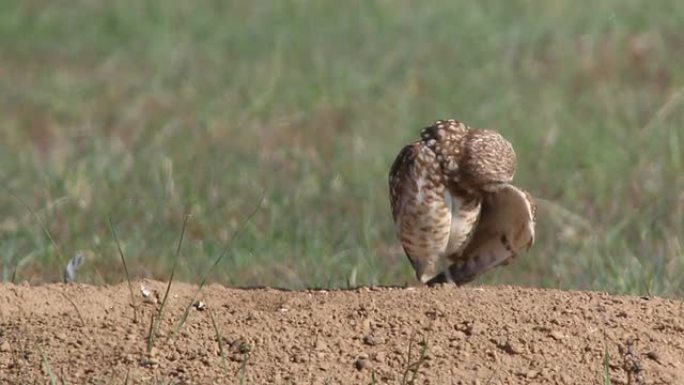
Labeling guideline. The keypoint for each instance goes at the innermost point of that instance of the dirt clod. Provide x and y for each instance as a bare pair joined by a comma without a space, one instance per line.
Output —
361,363
370,340
512,347
556,335
652,355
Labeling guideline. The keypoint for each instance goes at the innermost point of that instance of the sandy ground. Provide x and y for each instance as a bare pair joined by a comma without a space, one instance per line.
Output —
471,335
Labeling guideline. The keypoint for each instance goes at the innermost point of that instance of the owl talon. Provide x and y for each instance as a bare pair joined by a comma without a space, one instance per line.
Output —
447,278
438,280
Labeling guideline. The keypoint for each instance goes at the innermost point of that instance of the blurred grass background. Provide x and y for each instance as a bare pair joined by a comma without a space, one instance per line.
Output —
145,109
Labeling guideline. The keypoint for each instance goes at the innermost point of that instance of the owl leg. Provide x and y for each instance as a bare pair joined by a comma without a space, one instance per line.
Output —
458,273
455,274
462,272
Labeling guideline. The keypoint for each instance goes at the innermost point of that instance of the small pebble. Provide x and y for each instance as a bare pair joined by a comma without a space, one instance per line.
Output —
370,340
556,335
361,363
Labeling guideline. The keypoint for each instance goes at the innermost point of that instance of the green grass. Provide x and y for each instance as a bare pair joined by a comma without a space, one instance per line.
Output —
144,108
47,368
413,367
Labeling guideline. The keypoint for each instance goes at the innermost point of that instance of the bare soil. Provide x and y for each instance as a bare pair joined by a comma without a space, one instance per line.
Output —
469,335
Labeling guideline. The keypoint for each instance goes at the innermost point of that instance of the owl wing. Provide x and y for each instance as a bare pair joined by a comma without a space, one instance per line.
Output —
445,138
506,228
448,140
421,214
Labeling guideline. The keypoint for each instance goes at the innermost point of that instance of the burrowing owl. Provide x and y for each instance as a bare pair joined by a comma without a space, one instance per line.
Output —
452,197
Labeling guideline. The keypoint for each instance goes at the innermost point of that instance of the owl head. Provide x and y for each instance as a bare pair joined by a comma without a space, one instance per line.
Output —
487,159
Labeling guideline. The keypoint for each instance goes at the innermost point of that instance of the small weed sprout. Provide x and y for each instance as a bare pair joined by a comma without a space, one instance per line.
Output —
412,368
72,267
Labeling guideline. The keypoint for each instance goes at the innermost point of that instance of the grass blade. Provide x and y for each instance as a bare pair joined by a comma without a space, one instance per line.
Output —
42,224
160,312
219,340
606,366
218,259
48,368
125,266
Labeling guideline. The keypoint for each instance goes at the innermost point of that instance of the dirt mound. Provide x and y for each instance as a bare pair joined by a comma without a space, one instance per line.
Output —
474,335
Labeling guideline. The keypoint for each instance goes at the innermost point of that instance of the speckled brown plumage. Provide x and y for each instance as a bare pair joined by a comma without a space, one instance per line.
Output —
451,199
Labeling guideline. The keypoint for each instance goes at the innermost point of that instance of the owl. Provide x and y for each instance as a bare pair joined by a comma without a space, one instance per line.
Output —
452,200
